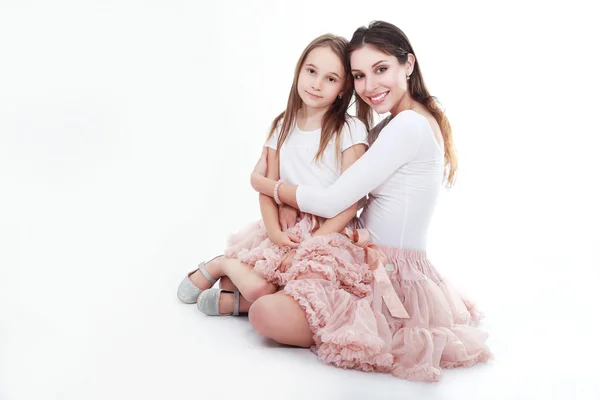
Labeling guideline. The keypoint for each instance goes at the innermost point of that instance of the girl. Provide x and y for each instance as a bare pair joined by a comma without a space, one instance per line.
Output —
410,155
316,140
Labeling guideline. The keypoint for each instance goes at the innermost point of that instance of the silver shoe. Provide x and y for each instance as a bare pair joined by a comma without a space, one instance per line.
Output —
187,291
208,301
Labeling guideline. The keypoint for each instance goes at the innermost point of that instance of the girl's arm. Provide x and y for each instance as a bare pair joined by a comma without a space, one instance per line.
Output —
396,145
265,185
268,207
339,222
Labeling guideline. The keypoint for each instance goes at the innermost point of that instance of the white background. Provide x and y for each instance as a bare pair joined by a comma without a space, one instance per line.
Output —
127,133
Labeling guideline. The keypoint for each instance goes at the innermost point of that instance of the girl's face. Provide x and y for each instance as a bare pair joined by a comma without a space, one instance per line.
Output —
379,79
321,78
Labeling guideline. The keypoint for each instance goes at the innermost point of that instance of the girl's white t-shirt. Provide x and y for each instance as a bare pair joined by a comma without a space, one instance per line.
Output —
297,164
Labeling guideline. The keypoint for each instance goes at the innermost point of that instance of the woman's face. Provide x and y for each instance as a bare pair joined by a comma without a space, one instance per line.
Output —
379,79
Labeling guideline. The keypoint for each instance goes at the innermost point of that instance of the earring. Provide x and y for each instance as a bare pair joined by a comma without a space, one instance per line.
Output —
408,77
339,96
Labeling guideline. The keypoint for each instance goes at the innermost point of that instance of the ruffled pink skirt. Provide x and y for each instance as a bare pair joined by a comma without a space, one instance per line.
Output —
360,333
334,257
351,324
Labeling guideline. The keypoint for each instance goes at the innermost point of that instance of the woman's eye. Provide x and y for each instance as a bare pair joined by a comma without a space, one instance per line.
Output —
311,71
381,69
332,80
357,76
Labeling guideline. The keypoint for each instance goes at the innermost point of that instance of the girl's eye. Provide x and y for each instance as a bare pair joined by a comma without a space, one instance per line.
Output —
331,80
381,69
311,71
357,76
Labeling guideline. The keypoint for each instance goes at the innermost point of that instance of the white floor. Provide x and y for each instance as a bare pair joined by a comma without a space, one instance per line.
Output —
102,321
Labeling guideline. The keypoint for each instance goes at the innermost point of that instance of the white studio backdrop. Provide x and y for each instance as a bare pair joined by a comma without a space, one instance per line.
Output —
128,130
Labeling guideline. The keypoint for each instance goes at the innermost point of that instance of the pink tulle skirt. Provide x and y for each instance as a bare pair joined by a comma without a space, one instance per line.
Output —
334,257
351,324
360,333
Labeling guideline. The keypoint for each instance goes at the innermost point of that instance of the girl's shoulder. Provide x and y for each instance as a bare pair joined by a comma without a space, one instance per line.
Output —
353,132
354,127
354,122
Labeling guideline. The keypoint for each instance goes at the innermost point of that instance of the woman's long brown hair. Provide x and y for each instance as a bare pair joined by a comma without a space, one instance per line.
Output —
389,39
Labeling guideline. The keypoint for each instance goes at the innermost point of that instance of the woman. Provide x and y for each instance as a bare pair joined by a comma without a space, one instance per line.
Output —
411,155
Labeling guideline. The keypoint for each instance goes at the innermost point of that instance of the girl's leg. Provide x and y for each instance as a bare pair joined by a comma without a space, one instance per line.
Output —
212,267
251,285
226,304
226,283
226,299
279,317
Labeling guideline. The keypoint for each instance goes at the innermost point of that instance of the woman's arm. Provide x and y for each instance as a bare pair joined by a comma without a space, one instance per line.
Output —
397,144
339,222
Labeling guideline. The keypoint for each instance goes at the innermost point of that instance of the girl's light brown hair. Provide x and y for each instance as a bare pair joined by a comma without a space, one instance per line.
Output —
335,117
389,39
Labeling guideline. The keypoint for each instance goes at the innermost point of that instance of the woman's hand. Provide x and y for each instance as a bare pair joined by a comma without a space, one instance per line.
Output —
287,216
286,239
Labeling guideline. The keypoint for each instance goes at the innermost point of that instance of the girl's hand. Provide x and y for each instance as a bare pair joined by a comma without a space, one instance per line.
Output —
286,263
287,216
261,166
285,239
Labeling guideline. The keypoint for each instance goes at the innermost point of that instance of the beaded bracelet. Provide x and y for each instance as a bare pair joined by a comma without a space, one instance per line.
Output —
276,192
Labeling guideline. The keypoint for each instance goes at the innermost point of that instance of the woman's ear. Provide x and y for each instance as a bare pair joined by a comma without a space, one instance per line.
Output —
410,64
